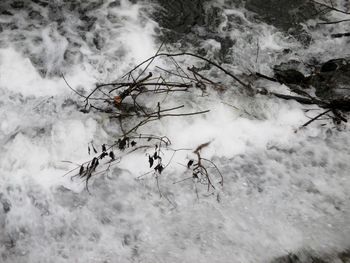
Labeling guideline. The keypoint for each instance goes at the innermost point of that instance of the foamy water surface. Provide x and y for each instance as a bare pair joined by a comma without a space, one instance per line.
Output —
283,190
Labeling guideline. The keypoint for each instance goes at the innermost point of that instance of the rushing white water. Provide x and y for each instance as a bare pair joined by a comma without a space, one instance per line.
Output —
283,190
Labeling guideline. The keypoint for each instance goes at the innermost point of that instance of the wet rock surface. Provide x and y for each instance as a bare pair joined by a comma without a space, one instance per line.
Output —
330,80
290,76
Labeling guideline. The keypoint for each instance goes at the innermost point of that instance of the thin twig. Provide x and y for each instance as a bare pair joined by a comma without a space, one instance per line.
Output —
196,56
331,7
333,22
315,118
75,91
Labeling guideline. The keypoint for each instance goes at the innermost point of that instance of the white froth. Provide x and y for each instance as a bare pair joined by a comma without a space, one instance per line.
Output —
284,188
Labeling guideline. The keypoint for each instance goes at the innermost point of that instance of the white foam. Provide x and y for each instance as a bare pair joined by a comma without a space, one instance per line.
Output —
283,190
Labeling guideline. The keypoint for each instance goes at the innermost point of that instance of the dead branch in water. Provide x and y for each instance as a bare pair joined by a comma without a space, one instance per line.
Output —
191,55
113,99
339,35
135,103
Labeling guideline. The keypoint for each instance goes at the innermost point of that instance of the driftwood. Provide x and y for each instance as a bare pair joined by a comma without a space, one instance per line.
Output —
335,106
339,35
114,99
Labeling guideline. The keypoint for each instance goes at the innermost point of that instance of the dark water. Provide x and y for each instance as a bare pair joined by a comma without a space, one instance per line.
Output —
182,16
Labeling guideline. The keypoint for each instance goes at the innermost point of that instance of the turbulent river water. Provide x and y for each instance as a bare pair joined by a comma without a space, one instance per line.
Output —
285,190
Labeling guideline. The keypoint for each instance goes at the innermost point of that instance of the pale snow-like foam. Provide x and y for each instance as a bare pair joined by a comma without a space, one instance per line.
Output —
18,75
283,190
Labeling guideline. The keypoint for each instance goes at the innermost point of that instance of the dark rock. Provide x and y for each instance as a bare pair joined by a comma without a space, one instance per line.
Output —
332,81
329,66
291,73
290,76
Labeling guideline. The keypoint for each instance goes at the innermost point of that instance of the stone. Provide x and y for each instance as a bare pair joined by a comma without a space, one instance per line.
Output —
290,76
332,80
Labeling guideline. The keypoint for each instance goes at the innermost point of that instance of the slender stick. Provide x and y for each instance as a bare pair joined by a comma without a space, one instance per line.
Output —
315,118
196,56
333,22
